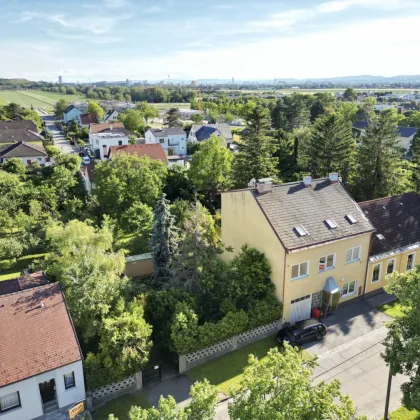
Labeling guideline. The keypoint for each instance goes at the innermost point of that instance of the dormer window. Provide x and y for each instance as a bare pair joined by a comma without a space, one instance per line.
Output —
331,223
301,231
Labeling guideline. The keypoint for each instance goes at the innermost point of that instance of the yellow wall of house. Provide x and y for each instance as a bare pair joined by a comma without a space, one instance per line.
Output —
243,222
400,266
342,272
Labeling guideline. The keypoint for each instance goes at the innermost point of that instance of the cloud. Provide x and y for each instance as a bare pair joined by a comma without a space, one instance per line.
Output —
153,9
115,4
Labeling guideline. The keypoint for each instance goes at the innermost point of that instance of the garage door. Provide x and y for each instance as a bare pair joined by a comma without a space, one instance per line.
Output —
300,309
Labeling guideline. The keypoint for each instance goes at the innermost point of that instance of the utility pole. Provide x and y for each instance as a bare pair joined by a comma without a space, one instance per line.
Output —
388,394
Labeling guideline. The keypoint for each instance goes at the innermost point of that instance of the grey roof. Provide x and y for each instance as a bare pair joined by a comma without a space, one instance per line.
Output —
331,286
20,134
170,131
402,131
292,205
361,125
22,149
204,131
18,125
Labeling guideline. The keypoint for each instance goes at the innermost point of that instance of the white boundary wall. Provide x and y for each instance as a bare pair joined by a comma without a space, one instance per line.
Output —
190,360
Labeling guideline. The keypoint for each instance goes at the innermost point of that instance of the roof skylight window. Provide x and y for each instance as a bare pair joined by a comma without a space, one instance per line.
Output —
331,223
301,231
351,219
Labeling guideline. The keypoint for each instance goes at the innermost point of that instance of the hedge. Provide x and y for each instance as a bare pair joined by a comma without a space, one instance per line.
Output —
187,336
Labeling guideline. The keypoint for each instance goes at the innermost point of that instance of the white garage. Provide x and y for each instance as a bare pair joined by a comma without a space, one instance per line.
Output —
300,309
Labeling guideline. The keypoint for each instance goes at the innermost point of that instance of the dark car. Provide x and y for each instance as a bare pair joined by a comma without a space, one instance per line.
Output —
302,332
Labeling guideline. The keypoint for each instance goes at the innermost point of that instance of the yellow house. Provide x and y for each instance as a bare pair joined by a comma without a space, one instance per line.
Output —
395,245
315,236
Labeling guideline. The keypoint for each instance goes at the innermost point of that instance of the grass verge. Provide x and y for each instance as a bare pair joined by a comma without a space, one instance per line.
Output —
121,406
226,371
392,309
403,414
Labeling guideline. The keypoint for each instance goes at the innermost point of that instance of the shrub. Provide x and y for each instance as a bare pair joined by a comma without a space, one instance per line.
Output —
96,374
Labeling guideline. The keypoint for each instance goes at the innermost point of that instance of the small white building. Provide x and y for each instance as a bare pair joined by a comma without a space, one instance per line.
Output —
111,116
186,114
72,113
101,142
172,139
41,369
28,153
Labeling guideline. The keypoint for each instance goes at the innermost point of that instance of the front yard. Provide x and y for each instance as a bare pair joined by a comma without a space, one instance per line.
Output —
121,406
392,309
226,371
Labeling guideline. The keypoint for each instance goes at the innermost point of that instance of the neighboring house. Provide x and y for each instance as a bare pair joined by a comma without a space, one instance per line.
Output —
41,369
28,153
314,235
200,132
111,115
108,127
72,113
186,114
177,160
172,139
27,281
405,134
153,151
395,246
87,119
101,142
18,125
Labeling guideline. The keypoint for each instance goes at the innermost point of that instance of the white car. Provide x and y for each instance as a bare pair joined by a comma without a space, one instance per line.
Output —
85,160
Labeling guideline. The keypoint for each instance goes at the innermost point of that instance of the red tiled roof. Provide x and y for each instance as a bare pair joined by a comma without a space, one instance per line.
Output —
97,128
35,339
28,281
88,118
154,151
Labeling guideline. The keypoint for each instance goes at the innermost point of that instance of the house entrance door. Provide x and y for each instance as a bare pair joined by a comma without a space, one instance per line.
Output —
47,390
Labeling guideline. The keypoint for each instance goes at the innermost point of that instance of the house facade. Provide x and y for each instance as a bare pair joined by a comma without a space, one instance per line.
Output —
28,153
72,113
41,371
201,132
172,139
111,115
101,143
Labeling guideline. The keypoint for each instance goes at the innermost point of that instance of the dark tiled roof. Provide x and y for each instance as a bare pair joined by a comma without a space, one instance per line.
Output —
21,149
18,125
170,131
205,132
154,151
35,339
28,281
294,204
406,131
361,125
69,108
88,118
20,134
397,218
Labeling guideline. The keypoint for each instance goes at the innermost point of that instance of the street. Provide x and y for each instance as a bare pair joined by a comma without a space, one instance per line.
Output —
59,140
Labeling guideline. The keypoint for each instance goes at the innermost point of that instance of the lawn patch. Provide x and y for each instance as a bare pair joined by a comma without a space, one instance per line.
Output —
403,414
226,371
10,269
121,406
392,309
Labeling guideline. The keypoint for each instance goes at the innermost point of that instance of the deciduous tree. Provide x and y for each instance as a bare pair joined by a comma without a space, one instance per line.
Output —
96,109
148,111
59,108
133,120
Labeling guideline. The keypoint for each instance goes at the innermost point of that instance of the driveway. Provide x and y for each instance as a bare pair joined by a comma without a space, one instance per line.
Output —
60,141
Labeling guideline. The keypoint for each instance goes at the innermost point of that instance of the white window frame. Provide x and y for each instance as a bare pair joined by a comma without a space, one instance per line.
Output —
414,261
394,261
300,276
326,261
348,284
379,275
352,251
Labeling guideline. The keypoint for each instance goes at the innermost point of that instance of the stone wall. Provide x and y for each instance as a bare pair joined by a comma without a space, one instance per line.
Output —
190,360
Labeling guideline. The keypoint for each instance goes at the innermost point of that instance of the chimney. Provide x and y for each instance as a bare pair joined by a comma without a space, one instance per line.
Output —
333,177
264,185
307,180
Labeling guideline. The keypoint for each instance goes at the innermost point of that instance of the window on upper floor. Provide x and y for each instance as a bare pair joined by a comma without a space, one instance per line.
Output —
161,141
69,381
9,401
410,262
390,267
349,289
300,270
353,254
326,262
376,273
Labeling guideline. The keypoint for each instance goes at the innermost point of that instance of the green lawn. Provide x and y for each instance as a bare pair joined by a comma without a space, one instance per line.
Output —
393,309
36,98
226,371
403,414
121,406
11,269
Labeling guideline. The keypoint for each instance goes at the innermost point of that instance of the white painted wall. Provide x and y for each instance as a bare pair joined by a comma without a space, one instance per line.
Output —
41,160
74,114
113,117
30,397
176,142
405,142
98,141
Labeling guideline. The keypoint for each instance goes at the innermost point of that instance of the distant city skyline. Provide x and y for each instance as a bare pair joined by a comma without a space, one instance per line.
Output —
115,40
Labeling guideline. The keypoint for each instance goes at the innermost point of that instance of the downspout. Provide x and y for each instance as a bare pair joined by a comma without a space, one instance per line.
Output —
284,277
367,266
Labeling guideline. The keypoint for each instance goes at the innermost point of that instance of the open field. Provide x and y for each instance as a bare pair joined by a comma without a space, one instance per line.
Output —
167,105
36,98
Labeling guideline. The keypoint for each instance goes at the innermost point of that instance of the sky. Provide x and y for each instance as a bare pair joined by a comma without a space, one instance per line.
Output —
219,39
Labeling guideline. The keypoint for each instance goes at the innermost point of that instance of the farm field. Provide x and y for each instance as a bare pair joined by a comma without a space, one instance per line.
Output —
36,98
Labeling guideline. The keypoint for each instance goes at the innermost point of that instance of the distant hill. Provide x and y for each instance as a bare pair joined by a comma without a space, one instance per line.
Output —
15,81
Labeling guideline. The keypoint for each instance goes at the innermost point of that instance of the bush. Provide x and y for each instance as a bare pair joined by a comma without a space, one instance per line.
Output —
96,374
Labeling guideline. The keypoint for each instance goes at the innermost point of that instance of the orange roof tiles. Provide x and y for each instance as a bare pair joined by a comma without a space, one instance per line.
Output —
35,339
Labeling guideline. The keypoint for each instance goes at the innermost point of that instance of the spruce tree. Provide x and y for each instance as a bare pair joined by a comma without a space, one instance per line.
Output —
286,154
331,147
163,242
255,157
379,162
173,118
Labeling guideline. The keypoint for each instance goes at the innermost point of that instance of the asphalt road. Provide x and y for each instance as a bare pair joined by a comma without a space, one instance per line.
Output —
59,140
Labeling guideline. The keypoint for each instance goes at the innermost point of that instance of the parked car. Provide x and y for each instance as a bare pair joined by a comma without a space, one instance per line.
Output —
82,154
302,332
85,160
